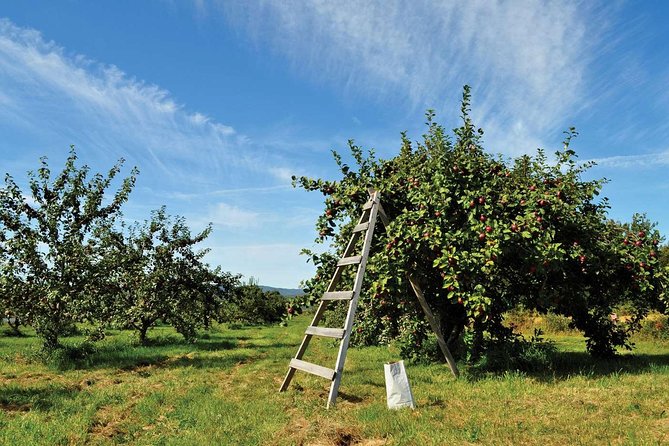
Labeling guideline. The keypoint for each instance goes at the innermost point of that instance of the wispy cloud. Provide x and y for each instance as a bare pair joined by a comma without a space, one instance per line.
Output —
271,263
651,160
527,61
48,89
226,215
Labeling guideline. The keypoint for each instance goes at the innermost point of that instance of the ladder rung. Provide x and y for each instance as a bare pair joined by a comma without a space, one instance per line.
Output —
312,368
361,227
338,295
349,260
368,205
336,333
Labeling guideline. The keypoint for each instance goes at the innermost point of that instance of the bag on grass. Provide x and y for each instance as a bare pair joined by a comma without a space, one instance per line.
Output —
398,390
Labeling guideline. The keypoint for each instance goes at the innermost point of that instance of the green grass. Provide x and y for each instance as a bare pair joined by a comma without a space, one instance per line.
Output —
223,390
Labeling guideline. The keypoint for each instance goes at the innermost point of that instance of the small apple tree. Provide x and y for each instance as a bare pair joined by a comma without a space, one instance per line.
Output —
158,274
483,235
48,244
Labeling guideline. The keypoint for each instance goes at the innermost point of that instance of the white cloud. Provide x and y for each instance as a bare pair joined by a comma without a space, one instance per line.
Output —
651,160
99,107
276,264
526,60
227,215
283,173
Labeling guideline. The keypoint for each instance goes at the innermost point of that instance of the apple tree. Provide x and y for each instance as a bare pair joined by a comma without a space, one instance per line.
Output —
48,247
250,304
160,276
483,235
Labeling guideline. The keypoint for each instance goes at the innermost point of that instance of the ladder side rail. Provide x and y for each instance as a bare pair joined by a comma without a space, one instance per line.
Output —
348,326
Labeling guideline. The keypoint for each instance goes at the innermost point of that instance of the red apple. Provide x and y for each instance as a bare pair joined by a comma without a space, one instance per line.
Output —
488,229
483,218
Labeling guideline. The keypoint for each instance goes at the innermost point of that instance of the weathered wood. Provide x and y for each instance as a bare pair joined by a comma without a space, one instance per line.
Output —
434,326
323,305
314,369
320,311
336,333
350,316
383,216
367,206
361,227
338,295
349,261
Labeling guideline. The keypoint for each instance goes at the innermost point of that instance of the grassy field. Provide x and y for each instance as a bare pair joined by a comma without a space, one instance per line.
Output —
223,390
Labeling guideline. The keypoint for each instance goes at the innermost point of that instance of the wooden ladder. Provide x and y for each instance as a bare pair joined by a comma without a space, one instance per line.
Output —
370,211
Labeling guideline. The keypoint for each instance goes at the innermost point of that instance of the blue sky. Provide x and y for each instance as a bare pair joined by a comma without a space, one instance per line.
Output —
218,103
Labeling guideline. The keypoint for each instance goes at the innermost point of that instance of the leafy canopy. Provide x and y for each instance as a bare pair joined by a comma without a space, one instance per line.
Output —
484,235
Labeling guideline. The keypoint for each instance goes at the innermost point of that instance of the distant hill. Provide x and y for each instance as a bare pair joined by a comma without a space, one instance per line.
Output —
283,291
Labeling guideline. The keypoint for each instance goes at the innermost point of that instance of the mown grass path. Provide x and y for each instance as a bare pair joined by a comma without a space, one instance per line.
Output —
223,391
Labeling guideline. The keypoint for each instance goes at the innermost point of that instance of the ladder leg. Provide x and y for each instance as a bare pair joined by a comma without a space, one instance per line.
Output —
435,327
287,379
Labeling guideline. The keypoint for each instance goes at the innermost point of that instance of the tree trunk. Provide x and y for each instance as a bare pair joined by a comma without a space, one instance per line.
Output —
142,330
50,341
452,320
14,325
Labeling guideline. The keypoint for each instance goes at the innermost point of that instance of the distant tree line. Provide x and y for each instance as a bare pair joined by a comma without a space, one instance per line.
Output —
67,257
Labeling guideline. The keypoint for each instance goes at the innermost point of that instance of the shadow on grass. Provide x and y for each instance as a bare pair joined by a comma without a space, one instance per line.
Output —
23,399
569,364
164,351
566,365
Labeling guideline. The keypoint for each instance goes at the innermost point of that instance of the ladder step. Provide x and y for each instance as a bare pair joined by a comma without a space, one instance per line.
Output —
336,333
361,227
368,205
349,261
312,368
338,295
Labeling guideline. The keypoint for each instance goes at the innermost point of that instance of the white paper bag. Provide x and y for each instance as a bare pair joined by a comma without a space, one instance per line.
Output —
398,390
